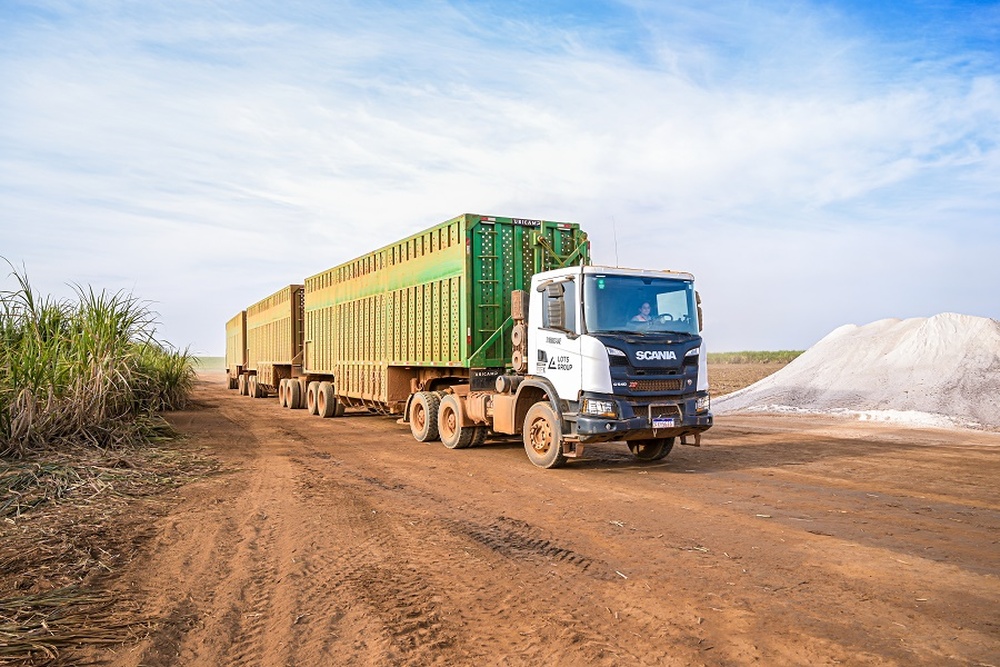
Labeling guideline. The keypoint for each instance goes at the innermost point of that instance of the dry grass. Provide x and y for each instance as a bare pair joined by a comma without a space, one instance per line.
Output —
69,521
34,629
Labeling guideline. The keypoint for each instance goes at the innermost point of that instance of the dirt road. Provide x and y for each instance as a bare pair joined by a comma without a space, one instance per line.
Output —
780,541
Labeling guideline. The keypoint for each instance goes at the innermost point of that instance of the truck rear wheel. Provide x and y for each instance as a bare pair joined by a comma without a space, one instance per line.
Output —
453,434
312,398
293,394
253,389
241,385
424,416
543,436
326,402
651,450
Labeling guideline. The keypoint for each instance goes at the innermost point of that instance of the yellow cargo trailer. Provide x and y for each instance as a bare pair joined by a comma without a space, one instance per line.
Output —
274,340
236,348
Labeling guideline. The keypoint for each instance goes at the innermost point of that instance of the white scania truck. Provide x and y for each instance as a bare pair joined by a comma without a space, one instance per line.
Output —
596,369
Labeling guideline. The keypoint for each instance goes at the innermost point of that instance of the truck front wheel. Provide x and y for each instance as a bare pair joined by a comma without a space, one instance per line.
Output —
651,450
543,436
424,416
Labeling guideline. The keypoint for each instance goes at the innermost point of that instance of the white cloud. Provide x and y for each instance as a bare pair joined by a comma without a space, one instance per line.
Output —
205,156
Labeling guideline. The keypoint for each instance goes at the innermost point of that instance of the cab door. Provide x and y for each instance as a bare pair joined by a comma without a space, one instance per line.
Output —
557,353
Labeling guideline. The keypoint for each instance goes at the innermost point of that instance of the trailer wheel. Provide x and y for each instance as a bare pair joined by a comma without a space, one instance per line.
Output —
312,398
259,390
651,450
453,434
543,436
326,402
424,416
232,384
282,390
241,385
293,394
252,390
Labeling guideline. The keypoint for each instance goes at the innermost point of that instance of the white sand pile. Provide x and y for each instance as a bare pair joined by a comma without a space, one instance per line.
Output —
937,371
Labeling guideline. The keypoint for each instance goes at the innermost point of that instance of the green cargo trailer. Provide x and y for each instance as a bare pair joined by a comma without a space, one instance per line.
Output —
274,340
430,311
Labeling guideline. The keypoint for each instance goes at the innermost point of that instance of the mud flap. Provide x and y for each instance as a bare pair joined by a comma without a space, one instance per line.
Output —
572,450
696,443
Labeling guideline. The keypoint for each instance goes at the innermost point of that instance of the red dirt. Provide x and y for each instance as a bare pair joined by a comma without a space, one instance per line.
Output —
782,540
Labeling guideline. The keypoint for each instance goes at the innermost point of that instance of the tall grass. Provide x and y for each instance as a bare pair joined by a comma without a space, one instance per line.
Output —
87,370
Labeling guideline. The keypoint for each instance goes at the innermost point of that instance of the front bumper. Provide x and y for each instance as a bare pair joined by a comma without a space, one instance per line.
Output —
635,422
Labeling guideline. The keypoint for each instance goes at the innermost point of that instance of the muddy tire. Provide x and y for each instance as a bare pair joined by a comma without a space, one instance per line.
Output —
424,416
479,435
312,398
326,402
241,385
252,390
453,434
543,436
293,394
651,450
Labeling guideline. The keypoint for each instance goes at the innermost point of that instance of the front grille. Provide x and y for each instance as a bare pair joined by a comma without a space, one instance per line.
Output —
656,385
672,411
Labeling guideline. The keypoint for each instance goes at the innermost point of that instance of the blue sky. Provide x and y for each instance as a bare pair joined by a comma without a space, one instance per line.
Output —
814,164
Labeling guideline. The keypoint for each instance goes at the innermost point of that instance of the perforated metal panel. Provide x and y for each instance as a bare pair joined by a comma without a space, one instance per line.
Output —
274,328
236,342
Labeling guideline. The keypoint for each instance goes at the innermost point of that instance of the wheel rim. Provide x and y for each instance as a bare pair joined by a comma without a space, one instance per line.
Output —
419,417
541,436
448,422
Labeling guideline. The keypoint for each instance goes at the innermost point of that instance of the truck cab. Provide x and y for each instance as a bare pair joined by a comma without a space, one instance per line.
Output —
619,354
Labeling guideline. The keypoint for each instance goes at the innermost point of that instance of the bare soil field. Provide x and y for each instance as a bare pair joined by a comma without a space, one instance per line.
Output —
726,378
782,540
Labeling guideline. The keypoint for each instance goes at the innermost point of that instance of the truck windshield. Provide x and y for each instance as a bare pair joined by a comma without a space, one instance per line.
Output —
638,303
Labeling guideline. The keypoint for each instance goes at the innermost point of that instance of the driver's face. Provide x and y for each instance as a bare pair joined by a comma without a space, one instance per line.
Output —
644,309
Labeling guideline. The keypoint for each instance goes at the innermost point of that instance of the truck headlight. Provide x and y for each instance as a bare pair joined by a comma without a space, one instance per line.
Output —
702,404
596,407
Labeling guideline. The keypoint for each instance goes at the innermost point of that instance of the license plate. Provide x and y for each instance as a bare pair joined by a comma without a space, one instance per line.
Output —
663,422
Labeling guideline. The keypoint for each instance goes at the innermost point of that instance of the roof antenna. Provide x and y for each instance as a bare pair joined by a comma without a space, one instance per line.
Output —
614,231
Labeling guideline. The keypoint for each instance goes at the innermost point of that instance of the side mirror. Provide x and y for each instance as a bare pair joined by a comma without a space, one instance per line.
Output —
697,299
